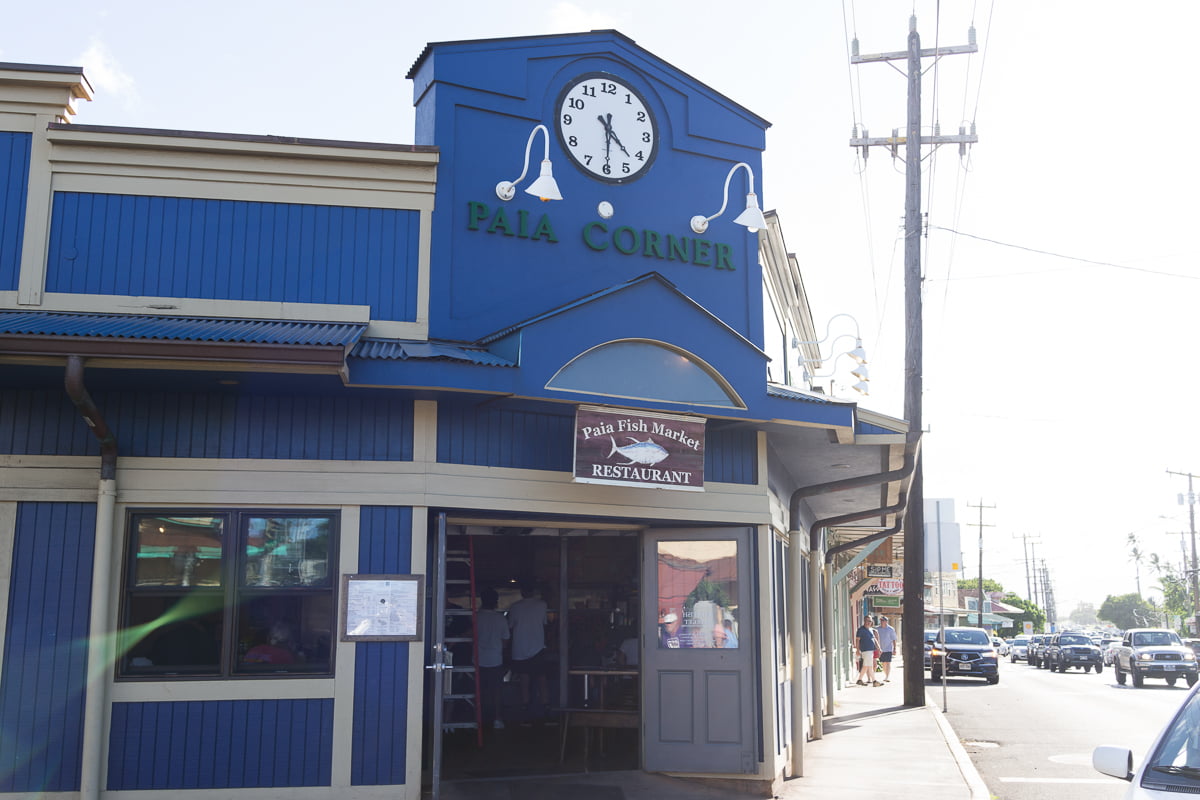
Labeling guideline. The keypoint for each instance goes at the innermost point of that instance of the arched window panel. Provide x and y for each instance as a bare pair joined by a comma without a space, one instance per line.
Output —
638,369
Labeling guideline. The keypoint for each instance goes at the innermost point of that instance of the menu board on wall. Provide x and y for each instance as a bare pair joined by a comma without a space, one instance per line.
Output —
382,608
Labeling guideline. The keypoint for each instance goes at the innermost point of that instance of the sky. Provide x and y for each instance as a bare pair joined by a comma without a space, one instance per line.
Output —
1060,276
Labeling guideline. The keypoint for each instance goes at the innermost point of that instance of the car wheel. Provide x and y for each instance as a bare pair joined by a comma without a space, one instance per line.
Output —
1191,680
935,675
1170,681
1138,680
1012,659
993,680
1120,675
1099,669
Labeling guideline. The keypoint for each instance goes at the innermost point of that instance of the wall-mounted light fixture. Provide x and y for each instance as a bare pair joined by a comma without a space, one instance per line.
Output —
545,187
752,217
858,354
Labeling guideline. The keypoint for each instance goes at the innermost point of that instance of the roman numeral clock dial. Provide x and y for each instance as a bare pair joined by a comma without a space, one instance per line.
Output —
606,128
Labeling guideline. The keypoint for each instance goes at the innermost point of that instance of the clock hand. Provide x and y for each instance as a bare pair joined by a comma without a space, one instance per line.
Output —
618,141
608,135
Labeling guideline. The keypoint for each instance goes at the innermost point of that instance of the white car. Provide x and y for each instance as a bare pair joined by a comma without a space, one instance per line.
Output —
1173,765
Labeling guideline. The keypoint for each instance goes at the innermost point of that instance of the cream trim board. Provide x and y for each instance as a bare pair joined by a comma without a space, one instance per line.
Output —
335,791
32,281
766,647
196,691
416,659
198,307
17,123
8,538
302,192
343,697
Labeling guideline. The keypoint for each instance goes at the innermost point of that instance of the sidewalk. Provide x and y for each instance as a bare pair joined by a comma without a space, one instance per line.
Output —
875,747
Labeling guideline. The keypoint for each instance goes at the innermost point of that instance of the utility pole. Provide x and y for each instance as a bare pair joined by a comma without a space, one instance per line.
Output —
914,522
1028,582
1191,504
981,526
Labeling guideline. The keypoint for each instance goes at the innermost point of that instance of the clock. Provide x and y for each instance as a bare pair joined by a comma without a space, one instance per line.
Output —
606,128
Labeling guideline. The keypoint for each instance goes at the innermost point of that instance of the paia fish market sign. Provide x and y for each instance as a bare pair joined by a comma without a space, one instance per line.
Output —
637,448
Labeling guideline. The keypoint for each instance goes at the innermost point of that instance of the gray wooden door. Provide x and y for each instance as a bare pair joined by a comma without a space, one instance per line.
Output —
698,651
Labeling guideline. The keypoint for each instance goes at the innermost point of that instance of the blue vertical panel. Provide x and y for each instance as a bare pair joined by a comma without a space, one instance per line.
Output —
221,744
491,437
235,250
166,424
43,682
731,456
14,182
380,734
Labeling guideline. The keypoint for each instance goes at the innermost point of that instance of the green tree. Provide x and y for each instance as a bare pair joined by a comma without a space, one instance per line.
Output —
1174,588
972,585
1129,611
1029,613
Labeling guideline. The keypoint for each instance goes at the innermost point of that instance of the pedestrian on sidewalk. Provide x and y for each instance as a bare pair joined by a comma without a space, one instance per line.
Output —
864,639
885,634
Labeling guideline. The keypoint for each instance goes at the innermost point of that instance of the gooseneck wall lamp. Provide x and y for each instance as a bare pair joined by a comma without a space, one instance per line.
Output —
752,217
545,187
858,354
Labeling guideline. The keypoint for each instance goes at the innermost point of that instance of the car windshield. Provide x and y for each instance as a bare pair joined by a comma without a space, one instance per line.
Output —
1074,640
969,636
1176,760
1153,638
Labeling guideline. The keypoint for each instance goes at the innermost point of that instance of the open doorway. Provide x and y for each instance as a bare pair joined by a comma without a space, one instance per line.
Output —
573,707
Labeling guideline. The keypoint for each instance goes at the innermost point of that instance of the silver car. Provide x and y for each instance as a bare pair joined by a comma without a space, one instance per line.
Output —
1173,766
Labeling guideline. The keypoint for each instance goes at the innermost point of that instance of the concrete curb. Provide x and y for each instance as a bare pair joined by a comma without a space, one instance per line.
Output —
978,789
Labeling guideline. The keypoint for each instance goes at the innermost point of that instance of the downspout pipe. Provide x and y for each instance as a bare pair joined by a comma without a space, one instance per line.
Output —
99,652
817,590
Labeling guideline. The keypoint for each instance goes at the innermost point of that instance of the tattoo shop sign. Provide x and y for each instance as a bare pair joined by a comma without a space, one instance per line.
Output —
638,448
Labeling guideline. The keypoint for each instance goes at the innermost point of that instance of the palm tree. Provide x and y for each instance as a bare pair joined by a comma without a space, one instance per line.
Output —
1136,555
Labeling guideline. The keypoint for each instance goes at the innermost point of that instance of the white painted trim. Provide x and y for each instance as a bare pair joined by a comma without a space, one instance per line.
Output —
201,691
343,685
17,123
387,792
416,664
196,307
8,538
32,281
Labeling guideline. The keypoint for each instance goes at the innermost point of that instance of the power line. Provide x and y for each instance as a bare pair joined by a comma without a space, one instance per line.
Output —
1066,257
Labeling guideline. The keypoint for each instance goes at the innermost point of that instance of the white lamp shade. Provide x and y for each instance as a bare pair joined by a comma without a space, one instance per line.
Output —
545,187
859,354
752,217
860,372
862,388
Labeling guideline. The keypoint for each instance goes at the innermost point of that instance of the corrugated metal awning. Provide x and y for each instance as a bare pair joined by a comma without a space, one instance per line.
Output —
395,349
187,329
147,337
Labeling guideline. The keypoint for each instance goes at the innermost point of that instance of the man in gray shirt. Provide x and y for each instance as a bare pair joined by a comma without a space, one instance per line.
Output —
885,634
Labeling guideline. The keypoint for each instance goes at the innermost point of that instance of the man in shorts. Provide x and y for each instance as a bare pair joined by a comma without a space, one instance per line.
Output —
885,634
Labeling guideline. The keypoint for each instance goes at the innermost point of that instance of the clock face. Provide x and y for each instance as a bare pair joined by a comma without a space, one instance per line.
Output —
607,128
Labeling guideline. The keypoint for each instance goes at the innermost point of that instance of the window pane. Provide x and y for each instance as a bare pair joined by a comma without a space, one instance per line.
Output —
287,551
290,633
697,594
173,634
178,551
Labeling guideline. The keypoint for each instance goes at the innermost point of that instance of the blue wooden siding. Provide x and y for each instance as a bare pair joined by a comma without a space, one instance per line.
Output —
380,735
731,456
14,180
164,424
495,437
492,437
42,685
220,744
235,250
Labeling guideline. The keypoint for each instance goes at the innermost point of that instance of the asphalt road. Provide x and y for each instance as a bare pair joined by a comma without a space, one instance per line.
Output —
1031,736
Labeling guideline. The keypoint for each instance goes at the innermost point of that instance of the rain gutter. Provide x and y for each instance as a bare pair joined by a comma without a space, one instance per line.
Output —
99,658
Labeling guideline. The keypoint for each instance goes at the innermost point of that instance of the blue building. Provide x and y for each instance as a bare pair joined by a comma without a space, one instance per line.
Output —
275,413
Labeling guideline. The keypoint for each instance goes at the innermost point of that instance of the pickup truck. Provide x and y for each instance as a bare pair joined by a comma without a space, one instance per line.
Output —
1153,653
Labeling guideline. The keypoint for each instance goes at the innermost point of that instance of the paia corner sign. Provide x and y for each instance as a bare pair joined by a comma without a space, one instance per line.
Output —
638,448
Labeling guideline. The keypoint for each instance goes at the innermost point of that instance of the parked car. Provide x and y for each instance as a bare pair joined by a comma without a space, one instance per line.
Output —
1018,649
1106,650
1037,643
1165,773
1067,649
1154,653
963,652
1000,645
930,636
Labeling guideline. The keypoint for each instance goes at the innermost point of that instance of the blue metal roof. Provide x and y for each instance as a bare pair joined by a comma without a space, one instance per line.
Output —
191,329
394,349
788,393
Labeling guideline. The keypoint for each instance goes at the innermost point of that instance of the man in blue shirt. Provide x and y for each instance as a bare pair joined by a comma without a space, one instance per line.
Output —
865,642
